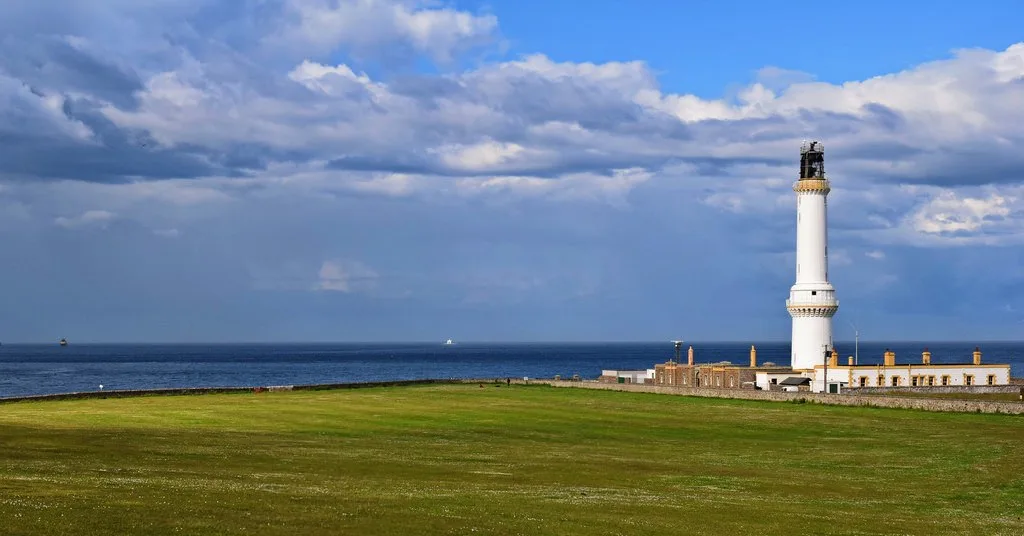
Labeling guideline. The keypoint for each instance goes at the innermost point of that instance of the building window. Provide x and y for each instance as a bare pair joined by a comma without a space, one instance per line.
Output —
881,380
991,379
863,381
969,379
814,293
931,381
895,381
945,380
913,381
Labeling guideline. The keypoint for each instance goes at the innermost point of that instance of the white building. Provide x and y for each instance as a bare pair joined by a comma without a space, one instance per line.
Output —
889,373
812,299
627,376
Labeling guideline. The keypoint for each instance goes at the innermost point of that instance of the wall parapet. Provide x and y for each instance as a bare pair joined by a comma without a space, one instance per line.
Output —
896,402
936,389
173,391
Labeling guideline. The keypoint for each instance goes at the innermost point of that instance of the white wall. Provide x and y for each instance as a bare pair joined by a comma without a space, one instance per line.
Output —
634,376
906,372
811,237
763,379
810,333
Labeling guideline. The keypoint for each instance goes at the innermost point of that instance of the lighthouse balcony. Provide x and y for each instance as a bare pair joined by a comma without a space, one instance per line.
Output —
824,307
813,300
813,185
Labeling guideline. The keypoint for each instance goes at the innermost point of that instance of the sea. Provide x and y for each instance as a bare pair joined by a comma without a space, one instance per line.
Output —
50,369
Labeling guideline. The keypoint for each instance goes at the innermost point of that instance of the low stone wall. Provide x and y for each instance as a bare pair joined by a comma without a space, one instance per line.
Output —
927,404
221,390
981,389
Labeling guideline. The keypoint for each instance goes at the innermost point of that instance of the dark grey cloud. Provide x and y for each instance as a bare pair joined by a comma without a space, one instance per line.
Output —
53,64
110,155
262,117
962,166
883,116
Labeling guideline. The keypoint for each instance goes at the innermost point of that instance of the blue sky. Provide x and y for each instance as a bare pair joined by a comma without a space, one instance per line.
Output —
388,170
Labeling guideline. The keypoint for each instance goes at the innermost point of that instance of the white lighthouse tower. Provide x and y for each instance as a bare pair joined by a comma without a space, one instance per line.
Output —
812,300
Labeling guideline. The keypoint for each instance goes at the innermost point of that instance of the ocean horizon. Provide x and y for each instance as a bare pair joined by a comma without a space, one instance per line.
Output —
35,369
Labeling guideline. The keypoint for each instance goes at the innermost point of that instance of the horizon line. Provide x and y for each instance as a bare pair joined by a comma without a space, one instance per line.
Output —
441,342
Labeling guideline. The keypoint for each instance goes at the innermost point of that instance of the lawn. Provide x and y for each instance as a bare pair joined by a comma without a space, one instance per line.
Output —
460,459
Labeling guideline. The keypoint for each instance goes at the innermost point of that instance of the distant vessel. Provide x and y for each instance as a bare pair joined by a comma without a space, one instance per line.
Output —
63,341
449,342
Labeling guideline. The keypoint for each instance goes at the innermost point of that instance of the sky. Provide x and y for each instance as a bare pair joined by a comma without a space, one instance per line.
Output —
406,170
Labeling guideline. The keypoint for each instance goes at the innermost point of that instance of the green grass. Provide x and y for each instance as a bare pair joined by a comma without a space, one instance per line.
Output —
460,459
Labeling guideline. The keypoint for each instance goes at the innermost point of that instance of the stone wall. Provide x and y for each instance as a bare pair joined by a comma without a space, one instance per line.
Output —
927,404
936,389
219,390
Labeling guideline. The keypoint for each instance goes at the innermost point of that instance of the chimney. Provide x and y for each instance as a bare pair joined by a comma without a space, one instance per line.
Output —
753,356
977,356
890,358
849,361
689,356
833,359
926,357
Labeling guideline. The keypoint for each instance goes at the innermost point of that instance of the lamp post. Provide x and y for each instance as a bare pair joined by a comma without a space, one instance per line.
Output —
825,379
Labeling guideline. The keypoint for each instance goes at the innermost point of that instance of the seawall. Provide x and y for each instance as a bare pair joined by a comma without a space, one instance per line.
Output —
926,404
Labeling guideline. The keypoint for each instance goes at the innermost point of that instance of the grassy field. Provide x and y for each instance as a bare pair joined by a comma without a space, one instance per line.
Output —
460,459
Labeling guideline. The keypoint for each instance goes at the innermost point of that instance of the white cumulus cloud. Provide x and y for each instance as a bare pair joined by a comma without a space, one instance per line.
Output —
345,276
89,218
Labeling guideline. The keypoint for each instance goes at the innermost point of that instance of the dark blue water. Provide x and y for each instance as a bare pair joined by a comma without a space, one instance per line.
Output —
44,369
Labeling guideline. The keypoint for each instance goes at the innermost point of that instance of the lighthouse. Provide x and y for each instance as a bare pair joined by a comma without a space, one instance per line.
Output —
812,299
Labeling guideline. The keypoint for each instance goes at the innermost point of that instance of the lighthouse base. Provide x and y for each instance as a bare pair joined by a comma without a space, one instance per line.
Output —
812,336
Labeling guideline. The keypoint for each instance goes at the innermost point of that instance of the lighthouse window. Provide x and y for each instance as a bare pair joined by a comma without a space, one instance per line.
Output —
814,293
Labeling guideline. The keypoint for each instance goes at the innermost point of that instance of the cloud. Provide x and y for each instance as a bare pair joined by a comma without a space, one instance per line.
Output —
90,218
382,130
777,79
949,214
167,233
345,276
840,257
395,29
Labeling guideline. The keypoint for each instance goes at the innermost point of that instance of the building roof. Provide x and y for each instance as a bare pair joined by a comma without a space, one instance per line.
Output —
795,380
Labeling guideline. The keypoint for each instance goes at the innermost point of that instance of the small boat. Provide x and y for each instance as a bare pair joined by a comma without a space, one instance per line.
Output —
63,341
449,342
